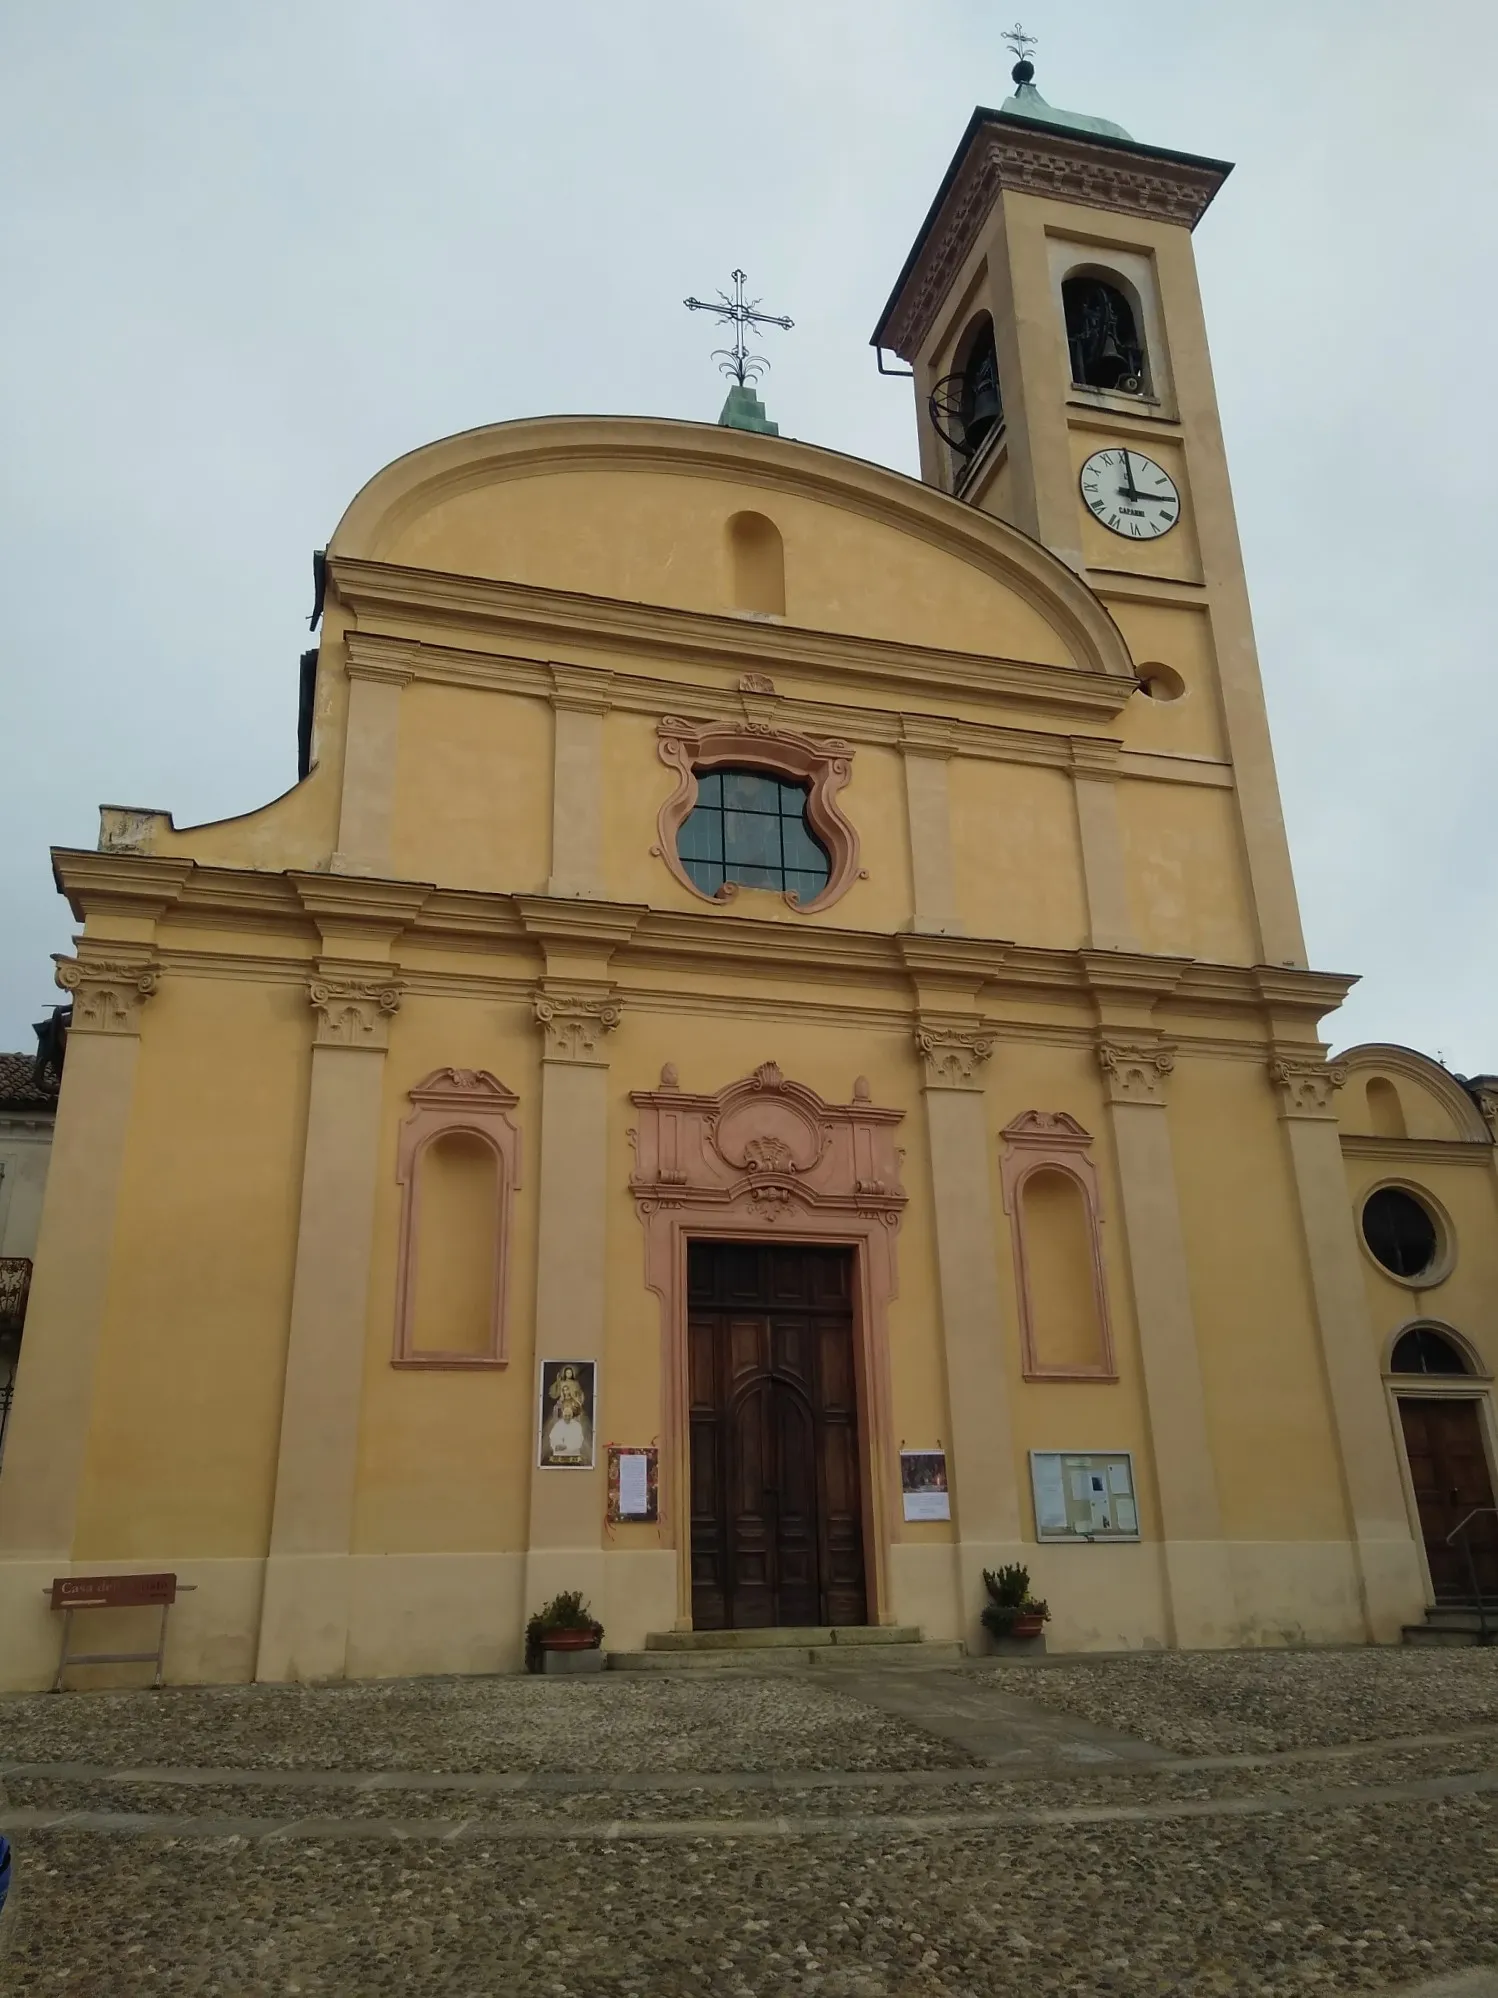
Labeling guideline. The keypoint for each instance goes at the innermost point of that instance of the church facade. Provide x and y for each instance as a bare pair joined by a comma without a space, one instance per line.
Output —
768,1065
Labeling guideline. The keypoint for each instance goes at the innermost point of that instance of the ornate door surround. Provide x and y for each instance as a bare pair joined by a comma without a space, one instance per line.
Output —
767,1158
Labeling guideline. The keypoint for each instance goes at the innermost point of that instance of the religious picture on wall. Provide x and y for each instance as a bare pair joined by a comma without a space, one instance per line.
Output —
923,1484
567,1398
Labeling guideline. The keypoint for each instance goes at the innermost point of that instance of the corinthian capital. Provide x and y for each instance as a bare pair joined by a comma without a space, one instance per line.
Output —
108,993
574,1024
1135,1071
1307,1085
353,1012
952,1055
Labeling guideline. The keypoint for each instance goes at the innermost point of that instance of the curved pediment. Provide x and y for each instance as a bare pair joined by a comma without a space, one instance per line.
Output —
641,510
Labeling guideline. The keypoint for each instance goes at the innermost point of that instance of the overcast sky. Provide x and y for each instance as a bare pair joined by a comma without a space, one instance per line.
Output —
254,249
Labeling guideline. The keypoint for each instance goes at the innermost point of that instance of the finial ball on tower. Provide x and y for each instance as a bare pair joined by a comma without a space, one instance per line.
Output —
1021,43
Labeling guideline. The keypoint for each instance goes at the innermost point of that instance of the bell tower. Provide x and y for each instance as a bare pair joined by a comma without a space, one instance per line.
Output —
1050,314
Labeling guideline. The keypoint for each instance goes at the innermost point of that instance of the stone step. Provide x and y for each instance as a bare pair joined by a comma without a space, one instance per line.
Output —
792,1657
781,1637
1449,1624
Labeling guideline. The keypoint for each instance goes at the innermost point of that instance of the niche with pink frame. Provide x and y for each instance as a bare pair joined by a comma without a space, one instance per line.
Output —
1050,1189
458,1166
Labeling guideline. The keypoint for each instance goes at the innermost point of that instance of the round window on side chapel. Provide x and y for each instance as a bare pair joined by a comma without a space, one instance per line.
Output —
1399,1232
750,828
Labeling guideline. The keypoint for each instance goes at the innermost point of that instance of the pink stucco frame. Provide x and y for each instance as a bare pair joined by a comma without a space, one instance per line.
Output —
447,1101
824,763
764,1159
1053,1141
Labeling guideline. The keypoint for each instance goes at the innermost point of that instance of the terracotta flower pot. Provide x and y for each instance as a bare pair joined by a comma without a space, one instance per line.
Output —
1027,1626
571,1640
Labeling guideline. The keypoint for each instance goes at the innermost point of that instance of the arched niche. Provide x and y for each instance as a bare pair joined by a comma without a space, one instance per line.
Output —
1385,1111
756,561
458,1167
1050,1190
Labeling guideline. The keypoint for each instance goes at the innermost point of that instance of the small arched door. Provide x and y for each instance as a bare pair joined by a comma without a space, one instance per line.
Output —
1448,1462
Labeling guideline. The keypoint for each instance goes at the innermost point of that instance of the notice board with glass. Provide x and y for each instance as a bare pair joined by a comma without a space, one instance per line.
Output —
1084,1495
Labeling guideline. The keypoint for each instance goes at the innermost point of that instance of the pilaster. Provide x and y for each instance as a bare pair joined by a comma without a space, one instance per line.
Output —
926,750
579,702
1110,922
305,1615
377,671
1388,1561
954,1051
1136,1068
577,1020
48,1436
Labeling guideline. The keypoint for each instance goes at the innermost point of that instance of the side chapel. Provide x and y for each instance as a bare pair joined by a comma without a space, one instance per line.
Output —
790,973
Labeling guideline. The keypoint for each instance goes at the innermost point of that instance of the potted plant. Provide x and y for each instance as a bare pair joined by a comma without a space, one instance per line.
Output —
1011,1611
563,1624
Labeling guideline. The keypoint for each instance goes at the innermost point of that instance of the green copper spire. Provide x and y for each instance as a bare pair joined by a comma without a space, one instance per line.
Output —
1027,101
744,411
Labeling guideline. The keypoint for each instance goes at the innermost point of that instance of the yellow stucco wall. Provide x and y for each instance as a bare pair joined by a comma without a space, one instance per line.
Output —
512,616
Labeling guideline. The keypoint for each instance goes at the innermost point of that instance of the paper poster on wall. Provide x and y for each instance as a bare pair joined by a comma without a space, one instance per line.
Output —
1084,1495
923,1484
568,1392
634,1484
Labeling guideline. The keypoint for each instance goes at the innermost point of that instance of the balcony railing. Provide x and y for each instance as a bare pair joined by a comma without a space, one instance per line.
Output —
15,1285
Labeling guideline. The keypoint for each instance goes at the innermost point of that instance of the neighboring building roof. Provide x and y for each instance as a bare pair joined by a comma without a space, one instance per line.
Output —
20,1088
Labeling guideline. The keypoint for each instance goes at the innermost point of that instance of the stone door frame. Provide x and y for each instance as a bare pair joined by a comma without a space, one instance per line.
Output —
1476,1386
766,1160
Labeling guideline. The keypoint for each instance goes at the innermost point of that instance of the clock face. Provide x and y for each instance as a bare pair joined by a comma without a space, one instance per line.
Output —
1130,494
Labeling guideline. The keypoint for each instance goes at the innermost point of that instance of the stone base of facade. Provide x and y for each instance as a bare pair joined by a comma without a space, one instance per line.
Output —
371,1616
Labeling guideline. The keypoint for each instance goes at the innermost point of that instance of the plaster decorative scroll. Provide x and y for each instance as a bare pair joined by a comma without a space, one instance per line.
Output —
354,1012
1307,1085
756,683
1135,1071
1054,1141
767,1158
574,1025
1063,168
953,1056
1485,1096
108,993
825,763
455,1102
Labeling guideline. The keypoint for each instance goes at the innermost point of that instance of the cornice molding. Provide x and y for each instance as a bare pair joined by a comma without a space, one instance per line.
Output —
1005,153
139,885
386,664
1421,1151
538,619
1000,742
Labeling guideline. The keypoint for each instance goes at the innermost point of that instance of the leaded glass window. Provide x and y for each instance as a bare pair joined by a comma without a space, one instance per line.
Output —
749,827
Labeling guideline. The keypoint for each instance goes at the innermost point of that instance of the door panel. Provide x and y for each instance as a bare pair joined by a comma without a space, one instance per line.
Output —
1449,1471
777,1527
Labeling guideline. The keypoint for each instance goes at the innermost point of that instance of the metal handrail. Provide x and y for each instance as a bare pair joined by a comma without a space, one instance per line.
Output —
1484,1634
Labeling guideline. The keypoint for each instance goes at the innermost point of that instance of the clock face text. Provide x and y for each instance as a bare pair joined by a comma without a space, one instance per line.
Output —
1130,494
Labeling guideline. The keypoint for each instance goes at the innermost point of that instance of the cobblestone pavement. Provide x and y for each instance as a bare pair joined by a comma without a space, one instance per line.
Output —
1308,1823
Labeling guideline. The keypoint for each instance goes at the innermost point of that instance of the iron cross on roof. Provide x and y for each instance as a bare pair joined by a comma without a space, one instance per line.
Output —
739,312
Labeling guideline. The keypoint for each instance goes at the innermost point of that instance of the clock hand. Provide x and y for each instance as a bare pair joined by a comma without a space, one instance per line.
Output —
1131,491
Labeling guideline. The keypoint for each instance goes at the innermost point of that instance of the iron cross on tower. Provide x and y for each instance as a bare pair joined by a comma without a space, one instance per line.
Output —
740,313
1021,43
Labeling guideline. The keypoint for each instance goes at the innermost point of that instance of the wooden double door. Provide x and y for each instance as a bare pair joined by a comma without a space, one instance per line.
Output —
1449,1471
777,1518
